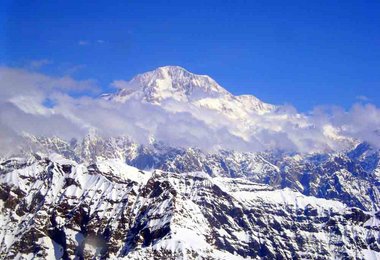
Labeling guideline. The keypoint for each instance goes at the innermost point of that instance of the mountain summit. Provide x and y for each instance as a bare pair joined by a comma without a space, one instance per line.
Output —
174,83
171,82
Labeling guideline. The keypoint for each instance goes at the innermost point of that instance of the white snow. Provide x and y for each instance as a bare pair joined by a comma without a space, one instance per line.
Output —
288,197
371,255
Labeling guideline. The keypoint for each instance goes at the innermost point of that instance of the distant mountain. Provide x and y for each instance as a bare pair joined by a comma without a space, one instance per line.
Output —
245,118
173,83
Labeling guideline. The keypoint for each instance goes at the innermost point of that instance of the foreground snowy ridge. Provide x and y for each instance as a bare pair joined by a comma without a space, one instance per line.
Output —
52,207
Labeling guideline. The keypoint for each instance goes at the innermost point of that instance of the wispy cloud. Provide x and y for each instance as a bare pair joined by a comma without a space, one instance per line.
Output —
362,98
88,42
82,42
18,82
74,69
37,64
119,84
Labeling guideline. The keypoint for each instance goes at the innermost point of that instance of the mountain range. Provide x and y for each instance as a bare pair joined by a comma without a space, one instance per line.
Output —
210,182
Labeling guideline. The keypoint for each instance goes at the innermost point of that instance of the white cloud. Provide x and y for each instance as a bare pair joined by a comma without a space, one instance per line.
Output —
82,42
86,42
363,98
22,82
120,84
22,96
74,69
37,64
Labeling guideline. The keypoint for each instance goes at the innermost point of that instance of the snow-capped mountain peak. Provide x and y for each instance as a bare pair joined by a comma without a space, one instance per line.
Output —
169,82
174,83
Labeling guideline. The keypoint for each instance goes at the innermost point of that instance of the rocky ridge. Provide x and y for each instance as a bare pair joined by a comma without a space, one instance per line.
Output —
52,207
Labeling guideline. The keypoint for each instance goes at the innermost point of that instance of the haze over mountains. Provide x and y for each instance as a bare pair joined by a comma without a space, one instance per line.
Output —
177,107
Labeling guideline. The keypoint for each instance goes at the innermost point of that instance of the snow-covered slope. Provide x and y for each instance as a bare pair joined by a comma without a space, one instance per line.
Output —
351,177
52,207
171,82
175,84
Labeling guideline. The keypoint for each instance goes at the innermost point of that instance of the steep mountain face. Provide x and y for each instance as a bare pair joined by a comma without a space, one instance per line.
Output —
52,207
169,84
351,177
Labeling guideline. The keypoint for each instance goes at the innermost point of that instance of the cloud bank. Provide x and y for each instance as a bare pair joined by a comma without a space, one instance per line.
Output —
42,105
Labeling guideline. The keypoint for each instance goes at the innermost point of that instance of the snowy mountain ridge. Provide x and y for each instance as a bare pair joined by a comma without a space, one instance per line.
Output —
351,177
55,208
176,83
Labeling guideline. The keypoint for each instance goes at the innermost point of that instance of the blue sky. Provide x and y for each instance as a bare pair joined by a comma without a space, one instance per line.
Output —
305,53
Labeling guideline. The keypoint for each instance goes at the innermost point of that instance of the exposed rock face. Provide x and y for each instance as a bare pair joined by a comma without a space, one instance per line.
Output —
52,207
352,177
